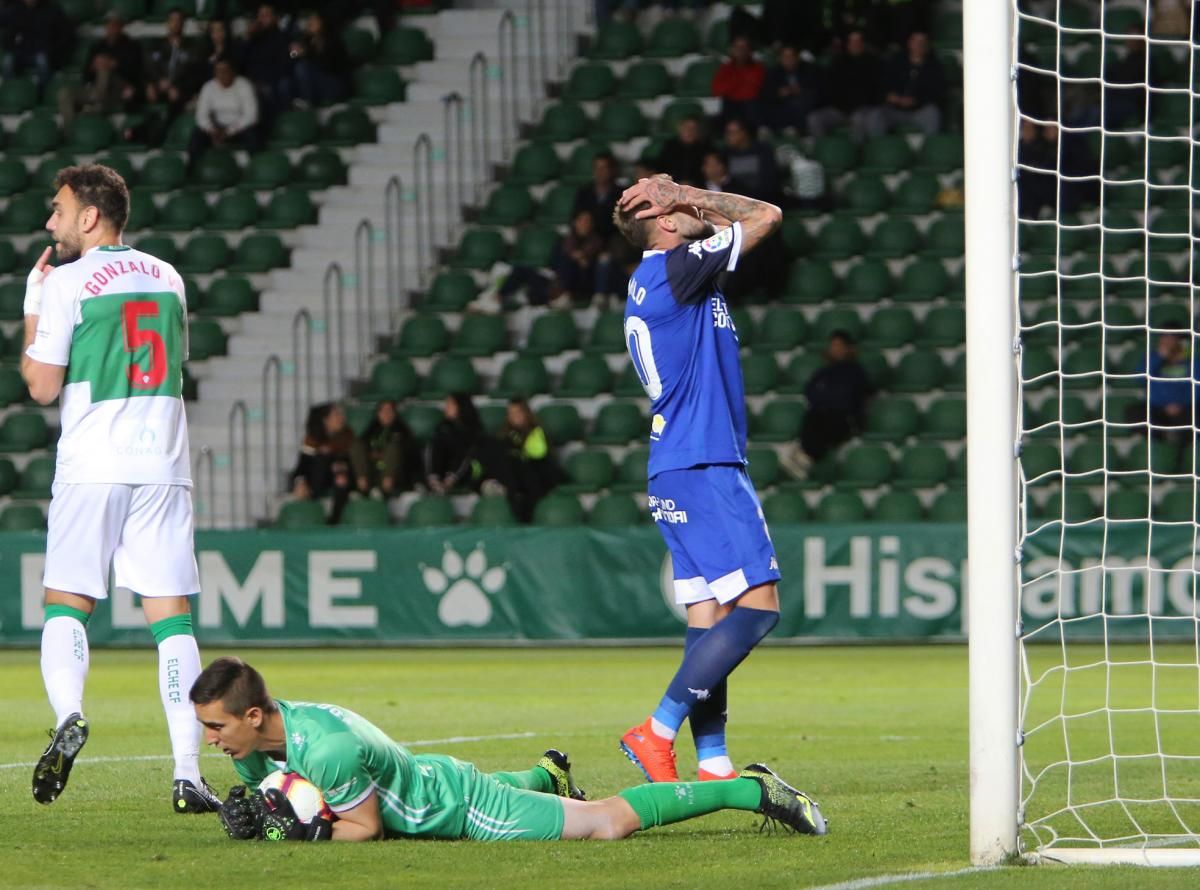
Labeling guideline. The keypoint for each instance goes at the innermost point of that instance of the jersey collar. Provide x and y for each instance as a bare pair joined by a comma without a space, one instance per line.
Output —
111,248
650,253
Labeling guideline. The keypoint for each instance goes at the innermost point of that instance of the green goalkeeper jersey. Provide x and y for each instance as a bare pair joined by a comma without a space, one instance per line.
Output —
348,757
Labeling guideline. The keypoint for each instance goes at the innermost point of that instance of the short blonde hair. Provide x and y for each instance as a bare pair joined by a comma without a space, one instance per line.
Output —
636,231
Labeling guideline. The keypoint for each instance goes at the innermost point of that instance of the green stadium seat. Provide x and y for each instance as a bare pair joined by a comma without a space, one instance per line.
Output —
366,513
898,506
36,480
17,95
233,211
943,326
617,423
321,168
558,510
12,300
645,80
615,511
422,335
895,238
890,327
360,45
142,211
534,164
35,135
1126,504
300,515
259,252
377,86
535,246
865,196
584,378
13,176
451,373
781,329
628,384
696,80
839,239
794,234
8,475
763,467
917,194
348,126
1178,505
22,518
405,46
841,506
759,373
672,37
46,172
922,280
480,335
945,419
430,512
620,120
868,281
590,82
123,165
480,249
840,318
205,340
163,173
393,378
557,205
24,431
920,371
179,133
451,291
864,466
508,205
616,40
492,512
837,154
891,420
676,111
588,471
779,421
886,155
632,473
422,420
552,333
810,281
216,169
8,257
204,254
949,506
608,334
160,246
946,237
288,209
562,423
784,507
25,213
578,169
229,296
564,122
524,376
183,212
799,370
921,466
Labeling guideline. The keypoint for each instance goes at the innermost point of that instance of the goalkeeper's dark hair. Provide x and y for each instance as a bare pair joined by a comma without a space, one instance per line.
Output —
96,185
236,685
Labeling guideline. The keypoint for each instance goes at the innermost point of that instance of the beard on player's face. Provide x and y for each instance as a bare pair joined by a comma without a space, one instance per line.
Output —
68,245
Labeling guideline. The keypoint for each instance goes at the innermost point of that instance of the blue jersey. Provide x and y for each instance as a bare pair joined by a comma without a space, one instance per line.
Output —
685,351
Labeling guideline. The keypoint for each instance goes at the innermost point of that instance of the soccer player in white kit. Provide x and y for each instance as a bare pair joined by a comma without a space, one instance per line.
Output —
107,332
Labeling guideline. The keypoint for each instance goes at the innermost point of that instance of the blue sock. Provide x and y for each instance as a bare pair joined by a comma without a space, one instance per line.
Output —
708,717
711,659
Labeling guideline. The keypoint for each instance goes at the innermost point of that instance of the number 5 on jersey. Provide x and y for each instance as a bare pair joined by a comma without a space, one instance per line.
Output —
136,338
129,345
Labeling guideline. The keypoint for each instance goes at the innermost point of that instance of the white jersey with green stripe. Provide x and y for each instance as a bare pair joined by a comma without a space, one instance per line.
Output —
116,318
347,757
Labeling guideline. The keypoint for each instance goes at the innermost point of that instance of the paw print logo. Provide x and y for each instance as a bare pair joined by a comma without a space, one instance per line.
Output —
464,585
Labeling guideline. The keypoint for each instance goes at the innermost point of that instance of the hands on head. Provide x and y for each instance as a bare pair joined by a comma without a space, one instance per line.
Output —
661,193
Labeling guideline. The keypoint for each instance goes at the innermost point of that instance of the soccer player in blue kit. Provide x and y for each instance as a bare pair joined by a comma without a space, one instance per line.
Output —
685,349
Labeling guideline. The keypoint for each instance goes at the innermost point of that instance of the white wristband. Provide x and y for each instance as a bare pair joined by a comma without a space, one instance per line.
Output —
33,291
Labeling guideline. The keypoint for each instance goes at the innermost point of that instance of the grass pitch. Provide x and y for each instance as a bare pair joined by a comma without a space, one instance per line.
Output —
877,735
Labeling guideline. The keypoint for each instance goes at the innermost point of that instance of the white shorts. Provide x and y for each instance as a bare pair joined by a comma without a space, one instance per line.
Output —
143,532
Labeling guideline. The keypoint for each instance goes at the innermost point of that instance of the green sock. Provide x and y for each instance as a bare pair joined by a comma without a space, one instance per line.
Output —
666,802
55,610
536,779
170,627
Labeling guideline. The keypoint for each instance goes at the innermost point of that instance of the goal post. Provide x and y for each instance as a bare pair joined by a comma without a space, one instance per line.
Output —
992,580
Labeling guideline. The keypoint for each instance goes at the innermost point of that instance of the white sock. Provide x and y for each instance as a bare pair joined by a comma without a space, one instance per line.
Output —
64,665
178,668
662,730
718,766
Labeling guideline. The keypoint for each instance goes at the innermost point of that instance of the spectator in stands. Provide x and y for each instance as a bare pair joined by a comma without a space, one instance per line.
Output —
837,396
1125,76
380,457
600,196
267,62
323,467
35,35
322,67
751,163
219,44
113,77
530,470
456,453
682,156
716,172
916,87
852,93
791,90
580,270
226,113
738,82
1169,385
174,65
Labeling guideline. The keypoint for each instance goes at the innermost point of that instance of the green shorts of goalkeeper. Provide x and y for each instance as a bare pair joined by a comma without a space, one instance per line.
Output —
375,788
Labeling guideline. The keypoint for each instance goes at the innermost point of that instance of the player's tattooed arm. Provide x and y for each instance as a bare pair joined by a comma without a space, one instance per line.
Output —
758,218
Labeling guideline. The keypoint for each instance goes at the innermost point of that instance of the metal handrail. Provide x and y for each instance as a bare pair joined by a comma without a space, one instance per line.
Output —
537,22
423,151
506,39
238,418
204,473
534,57
300,402
478,106
452,125
364,289
272,458
393,228
331,300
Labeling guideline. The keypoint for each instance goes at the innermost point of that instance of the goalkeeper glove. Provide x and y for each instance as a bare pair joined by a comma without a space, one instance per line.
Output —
280,823
241,816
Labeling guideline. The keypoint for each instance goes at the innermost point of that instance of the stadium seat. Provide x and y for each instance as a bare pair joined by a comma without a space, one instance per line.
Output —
864,466
205,339
366,513
794,233
868,281
35,135
534,164
377,86
949,506
563,122
588,471
886,154
810,281
839,239
837,154
8,475
216,169
160,246
492,512
943,326
348,126
24,431
945,419
946,237
450,373
608,334
259,252
22,518
508,205
204,254
422,420
480,335
234,210
920,371
163,173
142,211
534,247
13,176
585,377
615,511
430,511
422,335
8,257
922,280
561,423
480,249
12,301
230,295
394,378
628,384
781,508
672,37
619,120
320,169
645,80
763,467
1177,506
632,471
557,205
781,329
1127,504
44,173
843,506
898,506
300,515
405,46
891,327
523,376
917,194
183,212
841,318
25,213
891,420
779,421
452,290
552,333
759,372
17,95
589,82
799,370
894,238
359,44
288,209
865,196
558,510
36,480
676,111
617,423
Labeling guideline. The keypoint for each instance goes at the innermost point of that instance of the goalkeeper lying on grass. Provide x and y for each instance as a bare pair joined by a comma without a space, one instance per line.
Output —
379,789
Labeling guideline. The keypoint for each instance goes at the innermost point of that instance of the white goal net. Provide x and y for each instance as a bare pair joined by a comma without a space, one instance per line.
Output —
1107,358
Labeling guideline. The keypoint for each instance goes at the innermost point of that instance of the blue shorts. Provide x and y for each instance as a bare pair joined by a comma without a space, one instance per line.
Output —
713,525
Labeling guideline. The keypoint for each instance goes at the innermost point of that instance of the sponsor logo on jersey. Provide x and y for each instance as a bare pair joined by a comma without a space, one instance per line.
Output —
657,424
722,320
297,740
666,510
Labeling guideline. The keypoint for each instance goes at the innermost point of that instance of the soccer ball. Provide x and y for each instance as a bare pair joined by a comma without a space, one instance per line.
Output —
302,794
